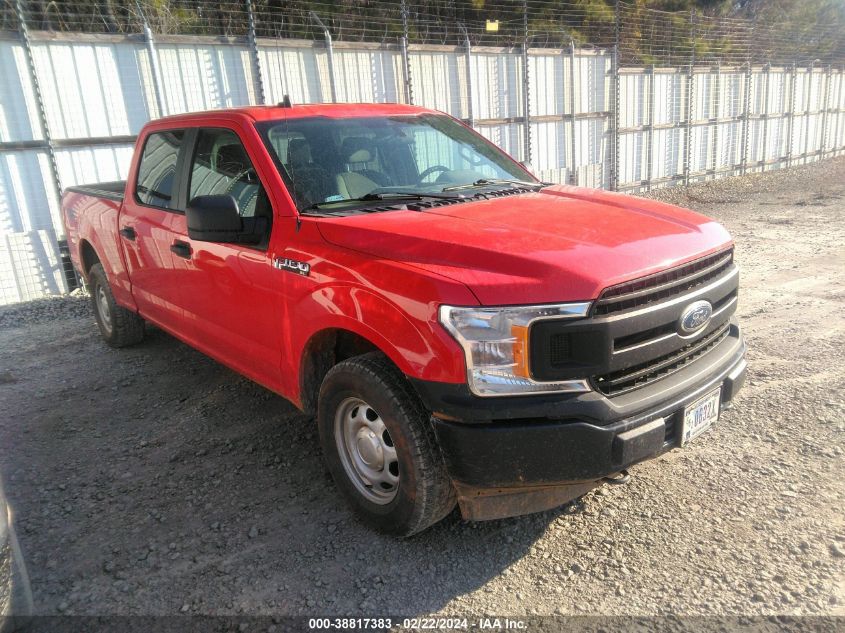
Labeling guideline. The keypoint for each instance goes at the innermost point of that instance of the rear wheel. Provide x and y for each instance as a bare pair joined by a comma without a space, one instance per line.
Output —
119,327
380,447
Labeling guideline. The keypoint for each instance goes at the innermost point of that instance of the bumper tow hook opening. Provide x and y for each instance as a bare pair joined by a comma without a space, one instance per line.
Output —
619,479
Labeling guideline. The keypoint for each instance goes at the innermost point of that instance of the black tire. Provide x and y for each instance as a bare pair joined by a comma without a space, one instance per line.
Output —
424,494
119,327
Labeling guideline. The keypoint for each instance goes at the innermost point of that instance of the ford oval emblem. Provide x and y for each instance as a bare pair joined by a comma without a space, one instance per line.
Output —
695,316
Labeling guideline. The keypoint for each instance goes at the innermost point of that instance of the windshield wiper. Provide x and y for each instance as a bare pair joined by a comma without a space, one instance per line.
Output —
497,181
414,195
386,195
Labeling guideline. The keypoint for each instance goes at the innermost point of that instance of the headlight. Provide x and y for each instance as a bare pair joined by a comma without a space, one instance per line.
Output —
496,345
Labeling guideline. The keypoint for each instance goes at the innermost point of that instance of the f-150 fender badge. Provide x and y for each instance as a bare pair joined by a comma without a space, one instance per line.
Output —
284,263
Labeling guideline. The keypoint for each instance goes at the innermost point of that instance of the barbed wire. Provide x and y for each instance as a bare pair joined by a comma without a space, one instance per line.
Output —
644,36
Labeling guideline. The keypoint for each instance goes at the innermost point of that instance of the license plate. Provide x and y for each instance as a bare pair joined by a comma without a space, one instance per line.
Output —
699,415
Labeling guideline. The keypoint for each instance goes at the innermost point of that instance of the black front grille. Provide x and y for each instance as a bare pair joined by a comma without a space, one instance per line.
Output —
632,338
662,286
646,336
619,382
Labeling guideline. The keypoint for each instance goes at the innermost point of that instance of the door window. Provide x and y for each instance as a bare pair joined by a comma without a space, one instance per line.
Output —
157,171
221,167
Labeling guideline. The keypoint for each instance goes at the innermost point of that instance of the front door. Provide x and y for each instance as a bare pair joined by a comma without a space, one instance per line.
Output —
230,293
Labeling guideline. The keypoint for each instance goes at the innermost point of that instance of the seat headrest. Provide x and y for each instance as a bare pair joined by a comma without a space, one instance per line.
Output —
299,151
357,149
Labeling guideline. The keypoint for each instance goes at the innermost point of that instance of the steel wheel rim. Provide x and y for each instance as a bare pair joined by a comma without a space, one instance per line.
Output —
366,451
103,308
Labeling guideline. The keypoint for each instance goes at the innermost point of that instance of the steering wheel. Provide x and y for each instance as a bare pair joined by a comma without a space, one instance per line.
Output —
434,169
474,161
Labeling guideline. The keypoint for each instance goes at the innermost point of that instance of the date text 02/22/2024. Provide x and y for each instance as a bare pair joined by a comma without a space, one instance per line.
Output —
417,624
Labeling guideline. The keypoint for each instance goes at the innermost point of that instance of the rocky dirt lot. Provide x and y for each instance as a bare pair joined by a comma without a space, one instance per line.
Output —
154,481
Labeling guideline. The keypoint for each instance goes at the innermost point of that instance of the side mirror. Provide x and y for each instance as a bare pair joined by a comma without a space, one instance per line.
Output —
217,219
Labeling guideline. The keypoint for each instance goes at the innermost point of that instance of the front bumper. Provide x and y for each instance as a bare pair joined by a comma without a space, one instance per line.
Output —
518,464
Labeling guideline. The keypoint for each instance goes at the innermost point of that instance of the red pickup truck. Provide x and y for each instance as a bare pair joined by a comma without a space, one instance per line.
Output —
462,332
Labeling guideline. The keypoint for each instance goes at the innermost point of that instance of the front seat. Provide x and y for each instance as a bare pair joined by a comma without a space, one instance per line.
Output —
311,183
358,180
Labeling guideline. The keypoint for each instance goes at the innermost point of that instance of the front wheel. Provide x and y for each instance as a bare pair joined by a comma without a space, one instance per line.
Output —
119,327
380,447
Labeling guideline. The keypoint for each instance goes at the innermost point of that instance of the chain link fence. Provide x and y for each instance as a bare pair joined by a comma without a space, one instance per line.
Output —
611,95
643,35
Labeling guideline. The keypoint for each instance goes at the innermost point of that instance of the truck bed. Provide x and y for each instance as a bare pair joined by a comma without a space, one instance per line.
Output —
90,214
111,190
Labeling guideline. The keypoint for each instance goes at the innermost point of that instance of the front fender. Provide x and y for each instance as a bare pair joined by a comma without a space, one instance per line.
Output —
411,338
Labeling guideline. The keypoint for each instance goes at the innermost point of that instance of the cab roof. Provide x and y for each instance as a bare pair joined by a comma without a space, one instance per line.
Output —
331,110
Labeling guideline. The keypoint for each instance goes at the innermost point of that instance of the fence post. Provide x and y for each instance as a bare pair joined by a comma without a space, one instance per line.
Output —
154,67
688,117
39,97
649,148
573,179
406,70
765,114
838,110
746,116
717,115
468,62
257,77
327,38
809,98
406,59
526,81
825,112
791,128
70,277
690,94
614,157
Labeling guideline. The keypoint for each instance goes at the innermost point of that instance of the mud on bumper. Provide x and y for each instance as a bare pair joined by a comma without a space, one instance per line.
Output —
517,465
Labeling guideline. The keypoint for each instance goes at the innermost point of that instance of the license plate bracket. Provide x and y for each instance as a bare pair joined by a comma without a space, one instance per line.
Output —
700,415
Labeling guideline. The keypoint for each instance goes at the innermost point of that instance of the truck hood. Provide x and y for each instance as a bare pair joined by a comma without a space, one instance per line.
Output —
558,244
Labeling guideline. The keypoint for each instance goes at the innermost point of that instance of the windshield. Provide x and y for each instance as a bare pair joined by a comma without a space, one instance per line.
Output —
334,163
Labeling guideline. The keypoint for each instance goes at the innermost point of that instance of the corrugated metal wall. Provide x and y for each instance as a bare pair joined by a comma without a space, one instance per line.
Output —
673,125
680,125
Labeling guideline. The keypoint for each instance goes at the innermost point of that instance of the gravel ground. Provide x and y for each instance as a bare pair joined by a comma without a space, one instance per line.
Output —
154,481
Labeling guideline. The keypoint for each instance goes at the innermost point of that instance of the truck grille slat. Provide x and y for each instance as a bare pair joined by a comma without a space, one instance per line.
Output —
650,335
640,375
661,286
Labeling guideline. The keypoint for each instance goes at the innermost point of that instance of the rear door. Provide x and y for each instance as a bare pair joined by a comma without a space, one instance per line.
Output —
147,227
230,293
